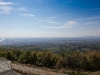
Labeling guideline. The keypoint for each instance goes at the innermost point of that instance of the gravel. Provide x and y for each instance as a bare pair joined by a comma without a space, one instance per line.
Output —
32,70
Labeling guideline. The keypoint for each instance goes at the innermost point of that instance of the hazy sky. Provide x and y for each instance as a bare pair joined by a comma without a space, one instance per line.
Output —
49,18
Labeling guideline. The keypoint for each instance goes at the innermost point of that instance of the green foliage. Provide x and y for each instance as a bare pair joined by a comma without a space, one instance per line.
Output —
46,59
3,52
33,57
61,61
11,56
25,58
17,53
49,60
89,61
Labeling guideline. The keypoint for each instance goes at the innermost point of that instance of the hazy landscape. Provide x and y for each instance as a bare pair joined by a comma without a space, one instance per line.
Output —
72,56
50,37
55,45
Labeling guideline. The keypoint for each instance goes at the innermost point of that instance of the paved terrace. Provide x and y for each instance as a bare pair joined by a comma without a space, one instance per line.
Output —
5,67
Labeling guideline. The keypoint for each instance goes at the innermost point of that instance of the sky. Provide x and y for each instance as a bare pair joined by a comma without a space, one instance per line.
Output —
49,18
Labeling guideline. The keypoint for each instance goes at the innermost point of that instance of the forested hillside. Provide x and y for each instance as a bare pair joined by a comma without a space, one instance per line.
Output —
77,60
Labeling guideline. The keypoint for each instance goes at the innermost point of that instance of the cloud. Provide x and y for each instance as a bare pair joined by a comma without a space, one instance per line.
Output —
27,15
52,22
70,23
94,18
22,9
8,7
5,3
57,27
93,9
67,24
91,23
5,7
58,15
50,17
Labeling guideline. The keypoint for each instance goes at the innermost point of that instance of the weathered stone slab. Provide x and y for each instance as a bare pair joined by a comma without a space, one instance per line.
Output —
5,68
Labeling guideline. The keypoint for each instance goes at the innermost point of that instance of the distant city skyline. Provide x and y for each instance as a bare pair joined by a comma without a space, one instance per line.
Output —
49,18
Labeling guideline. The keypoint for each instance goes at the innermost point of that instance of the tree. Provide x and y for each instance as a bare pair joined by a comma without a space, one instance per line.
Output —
33,57
25,58
11,56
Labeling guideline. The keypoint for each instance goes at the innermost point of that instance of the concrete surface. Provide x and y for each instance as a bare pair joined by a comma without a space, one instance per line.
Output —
7,72
5,68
